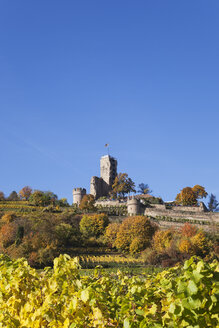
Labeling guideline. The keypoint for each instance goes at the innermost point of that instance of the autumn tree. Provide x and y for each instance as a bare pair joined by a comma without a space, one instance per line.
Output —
25,193
111,233
8,234
188,230
87,203
199,192
143,188
190,196
2,196
93,225
134,227
162,240
213,204
122,185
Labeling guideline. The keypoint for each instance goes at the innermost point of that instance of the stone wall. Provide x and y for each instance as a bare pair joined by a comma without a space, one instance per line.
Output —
199,216
178,225
110,203
98,187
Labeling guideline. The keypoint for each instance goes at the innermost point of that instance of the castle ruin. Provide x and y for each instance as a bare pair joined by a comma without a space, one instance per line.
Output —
99,186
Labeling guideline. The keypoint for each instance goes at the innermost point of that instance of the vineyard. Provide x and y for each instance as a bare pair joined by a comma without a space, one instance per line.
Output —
62,297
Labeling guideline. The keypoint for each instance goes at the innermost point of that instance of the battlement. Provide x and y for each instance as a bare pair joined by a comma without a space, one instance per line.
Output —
78,190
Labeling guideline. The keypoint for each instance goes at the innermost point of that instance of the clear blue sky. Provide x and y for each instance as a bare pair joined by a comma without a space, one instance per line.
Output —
141,75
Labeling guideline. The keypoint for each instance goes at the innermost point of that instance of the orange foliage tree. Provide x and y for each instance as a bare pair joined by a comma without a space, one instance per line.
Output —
87,203
186,197
8,234
189,196
25,192
188,230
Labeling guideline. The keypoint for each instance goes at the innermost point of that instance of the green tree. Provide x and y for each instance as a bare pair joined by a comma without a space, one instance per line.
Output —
143,188
41,198
67,235
13,196
2,196
213,204
122,185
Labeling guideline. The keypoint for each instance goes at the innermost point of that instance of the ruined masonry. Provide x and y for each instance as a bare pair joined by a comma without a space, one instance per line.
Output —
99,186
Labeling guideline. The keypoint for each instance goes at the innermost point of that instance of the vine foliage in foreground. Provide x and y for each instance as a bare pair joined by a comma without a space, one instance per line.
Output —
61,298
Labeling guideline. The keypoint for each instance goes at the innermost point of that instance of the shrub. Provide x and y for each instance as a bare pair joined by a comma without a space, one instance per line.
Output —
111,233
200,244
188,230
138,226
93,225
8,217
149,255
137,245
87,203
186,246
8,234
162,240
66,234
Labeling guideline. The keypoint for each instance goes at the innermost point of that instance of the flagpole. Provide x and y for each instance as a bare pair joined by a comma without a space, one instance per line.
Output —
107,146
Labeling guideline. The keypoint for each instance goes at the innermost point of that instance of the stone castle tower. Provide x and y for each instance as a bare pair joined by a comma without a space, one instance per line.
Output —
78,194
100,187
108,169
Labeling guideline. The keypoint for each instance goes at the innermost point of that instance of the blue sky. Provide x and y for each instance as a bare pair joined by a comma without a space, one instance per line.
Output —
141,75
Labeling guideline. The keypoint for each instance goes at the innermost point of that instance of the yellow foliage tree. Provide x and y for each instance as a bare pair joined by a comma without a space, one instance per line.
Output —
199,191
111,233
186,246
93,225
162,240
130,228
200,243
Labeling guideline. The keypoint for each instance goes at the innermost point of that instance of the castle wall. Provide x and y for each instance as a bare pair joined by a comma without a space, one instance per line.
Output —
190,209
98,187
202,216
110,203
